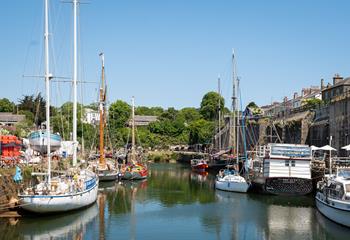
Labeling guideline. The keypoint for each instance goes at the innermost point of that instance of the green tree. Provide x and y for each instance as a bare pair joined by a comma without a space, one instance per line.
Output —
149,111
6,105
312,103
119,114
35,105
210,105
189,114
201,131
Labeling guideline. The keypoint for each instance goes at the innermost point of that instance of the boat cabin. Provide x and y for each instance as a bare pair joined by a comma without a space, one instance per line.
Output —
287,160
339,187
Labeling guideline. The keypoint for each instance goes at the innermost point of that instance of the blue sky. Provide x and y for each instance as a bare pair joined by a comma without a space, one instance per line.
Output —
169,53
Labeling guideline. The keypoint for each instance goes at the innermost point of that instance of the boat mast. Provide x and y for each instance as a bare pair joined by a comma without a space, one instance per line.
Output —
47,86
219,123
330,155
238,118
133,131
75,76
102,105
234,100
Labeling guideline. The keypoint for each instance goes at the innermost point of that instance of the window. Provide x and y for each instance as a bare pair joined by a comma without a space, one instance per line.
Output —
347,188
293,163
286,162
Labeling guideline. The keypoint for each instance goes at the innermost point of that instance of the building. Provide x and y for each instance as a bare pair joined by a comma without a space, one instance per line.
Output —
91,116
9,119
339,87
143,120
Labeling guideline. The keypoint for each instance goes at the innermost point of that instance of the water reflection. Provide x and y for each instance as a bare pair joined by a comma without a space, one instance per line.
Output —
175,203
64,226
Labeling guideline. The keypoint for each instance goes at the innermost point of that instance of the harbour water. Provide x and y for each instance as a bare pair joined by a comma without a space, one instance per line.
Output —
175,203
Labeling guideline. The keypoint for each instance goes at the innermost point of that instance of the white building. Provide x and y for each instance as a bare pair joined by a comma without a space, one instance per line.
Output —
91,116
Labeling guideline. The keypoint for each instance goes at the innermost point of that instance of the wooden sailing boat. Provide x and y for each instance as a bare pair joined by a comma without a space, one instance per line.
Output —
135,169
75,189
227,179
105,171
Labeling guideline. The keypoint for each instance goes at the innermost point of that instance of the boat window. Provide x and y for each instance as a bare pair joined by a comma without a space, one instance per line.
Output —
286,162
347,188
293,163
345,173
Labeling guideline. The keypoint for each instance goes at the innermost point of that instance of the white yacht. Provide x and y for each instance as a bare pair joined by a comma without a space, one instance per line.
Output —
333,197
76,188
229,181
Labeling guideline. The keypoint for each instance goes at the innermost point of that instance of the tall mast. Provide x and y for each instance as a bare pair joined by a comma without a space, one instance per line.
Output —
102,104
133,130
234,99
75,76
219,124
47,86
238,118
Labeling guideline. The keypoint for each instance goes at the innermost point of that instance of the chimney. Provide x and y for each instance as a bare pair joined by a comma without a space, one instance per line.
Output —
322,84
303,92
337,78
285,99
295,95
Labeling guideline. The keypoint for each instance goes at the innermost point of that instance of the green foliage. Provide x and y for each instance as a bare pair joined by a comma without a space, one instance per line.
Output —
6,105
252,105
119,114
148,111
254,108
312,103
201,131
188,115
210,105
35,105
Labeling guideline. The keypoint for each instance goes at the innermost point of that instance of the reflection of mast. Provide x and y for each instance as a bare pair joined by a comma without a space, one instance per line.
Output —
101,202
102,113
133,217
133,158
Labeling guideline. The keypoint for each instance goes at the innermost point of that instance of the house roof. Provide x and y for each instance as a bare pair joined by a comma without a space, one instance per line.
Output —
346,81
7,117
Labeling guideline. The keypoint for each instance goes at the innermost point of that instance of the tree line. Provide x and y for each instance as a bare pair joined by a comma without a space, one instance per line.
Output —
188,125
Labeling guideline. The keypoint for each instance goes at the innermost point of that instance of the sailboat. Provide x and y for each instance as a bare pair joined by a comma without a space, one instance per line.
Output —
105,171
135,169
75,189
228,179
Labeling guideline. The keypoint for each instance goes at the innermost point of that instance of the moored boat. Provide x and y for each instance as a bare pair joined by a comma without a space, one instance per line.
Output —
38,141
135,172
61,194
333,197
286,170
199,165
69,191
229,180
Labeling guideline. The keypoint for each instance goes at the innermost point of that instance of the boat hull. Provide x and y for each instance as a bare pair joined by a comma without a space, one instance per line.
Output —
104,176
289,186
232,185
333,209
45,204
38,141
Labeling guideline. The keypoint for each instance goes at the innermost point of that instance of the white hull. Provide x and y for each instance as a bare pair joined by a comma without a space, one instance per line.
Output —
60,203
336,210
232,183
38,141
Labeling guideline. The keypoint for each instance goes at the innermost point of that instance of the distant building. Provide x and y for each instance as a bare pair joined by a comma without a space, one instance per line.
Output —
91,116
143,120
280,109
340,86
9,119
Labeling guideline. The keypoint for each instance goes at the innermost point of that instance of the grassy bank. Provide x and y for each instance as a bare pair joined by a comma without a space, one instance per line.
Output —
162,156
